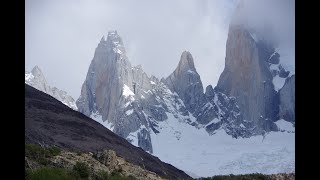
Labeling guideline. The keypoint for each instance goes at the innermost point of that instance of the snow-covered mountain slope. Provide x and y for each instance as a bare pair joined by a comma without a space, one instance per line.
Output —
36,79
194,150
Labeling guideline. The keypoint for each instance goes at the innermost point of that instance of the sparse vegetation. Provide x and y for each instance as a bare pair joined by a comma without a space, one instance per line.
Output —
82,169
54,151
41,168
130,177
102,175
95,156
255,176
50,173
115,175
40,154
79,153
54,173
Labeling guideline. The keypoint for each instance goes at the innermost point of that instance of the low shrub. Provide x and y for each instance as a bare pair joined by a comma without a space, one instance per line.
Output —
54,151
82,169
255,176
35,151
50,174
102,175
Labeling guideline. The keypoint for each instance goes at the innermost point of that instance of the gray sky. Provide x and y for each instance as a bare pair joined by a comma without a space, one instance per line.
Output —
61,36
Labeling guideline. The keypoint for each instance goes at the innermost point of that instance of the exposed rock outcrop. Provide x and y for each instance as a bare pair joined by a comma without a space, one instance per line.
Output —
106,161
247,78
287,100
185,81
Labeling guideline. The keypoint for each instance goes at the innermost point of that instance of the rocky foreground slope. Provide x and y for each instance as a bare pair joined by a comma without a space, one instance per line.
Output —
49,122
94,166
256,176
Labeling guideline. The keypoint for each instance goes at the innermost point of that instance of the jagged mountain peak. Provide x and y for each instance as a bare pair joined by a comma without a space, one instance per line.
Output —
185,70
186,62
186,82
103,39
36,71
114,37
209,91
115,42
111,45
113,33
36,79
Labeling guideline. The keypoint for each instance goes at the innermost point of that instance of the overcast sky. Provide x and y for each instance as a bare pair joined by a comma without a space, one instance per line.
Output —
61,36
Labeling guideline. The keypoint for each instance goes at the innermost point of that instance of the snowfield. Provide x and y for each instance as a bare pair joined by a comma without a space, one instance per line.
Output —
199,154
97,117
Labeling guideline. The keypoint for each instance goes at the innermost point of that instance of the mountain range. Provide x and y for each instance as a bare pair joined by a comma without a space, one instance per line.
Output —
244,103
179,120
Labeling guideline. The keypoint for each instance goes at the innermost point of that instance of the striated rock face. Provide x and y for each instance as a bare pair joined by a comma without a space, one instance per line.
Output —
185,81
212,109
36,79
122,96
247,77
109,62
287,100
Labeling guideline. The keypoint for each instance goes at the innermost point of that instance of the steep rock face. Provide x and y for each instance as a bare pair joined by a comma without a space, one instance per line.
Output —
211,110
122,96
247,77
186,81
287,100
36,79
104,71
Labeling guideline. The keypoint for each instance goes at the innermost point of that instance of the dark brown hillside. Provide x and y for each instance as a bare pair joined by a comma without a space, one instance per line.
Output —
50,122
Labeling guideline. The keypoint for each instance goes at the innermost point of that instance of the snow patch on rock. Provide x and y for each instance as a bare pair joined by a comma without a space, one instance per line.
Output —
278,82
284,125
97,117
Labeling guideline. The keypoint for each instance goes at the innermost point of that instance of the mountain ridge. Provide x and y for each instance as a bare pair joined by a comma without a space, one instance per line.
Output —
36,79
